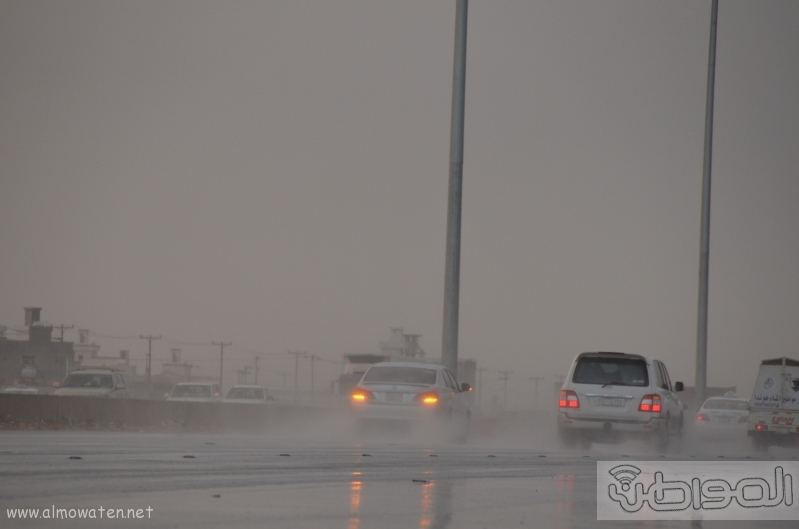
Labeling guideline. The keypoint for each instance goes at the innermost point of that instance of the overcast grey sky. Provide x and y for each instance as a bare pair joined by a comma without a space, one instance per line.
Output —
275,174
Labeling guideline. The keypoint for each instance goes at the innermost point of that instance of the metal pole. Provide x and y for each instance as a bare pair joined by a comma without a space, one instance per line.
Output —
256,369
222,346
704,243
449,339
313,358
149,364
297,355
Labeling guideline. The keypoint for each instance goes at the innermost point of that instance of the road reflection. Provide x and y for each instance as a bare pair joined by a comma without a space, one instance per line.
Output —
434,496
564,508
355,501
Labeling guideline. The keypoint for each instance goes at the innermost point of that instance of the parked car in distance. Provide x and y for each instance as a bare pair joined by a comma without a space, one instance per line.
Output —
610,397
721,415
250,395
97,382
195,392
412,394
22,389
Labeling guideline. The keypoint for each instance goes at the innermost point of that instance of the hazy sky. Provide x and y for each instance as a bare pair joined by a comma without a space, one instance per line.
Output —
275,174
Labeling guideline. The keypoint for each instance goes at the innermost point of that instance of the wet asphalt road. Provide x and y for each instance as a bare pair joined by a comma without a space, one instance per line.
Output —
213,481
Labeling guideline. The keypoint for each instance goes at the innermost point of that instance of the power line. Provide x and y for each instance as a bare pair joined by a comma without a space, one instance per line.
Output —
63,328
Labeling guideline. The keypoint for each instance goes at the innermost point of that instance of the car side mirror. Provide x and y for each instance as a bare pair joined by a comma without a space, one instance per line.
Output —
678,386
166,395
121,386
466,387
56,384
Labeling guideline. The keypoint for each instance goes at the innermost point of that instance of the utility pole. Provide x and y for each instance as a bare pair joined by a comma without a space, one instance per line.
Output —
536,379
243,374
480,386
63,328
222,346
149,339
297,355
504,376
452,261
312,358
256,368
704,236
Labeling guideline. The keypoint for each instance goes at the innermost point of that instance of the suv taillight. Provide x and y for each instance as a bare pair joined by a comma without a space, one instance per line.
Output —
568,399
702,417
650,403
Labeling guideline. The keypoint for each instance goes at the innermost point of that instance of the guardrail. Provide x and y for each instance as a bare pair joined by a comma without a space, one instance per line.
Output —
140,413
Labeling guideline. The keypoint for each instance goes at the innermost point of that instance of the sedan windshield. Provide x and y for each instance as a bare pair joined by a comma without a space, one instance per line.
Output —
245,393
400,375
86,380
611,371
192,390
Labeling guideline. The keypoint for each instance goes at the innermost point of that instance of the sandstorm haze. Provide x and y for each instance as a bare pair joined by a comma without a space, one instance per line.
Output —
275,174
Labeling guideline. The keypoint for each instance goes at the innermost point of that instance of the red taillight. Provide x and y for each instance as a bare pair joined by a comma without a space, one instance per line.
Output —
702,417
568,399
428,397
761,427
650,403
361,395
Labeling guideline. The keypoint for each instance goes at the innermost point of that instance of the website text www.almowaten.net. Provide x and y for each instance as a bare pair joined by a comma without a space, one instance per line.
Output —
55,513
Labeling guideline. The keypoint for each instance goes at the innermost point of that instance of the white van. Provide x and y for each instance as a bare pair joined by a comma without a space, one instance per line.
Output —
774,406
100,382
609,397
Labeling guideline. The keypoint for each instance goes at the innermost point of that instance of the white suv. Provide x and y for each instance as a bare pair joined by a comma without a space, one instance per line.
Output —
99,382
613,396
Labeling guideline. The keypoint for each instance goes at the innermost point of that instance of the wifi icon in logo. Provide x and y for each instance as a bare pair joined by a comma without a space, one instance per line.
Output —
625,474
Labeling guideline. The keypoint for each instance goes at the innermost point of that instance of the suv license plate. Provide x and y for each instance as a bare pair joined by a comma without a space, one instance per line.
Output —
782,429
599,401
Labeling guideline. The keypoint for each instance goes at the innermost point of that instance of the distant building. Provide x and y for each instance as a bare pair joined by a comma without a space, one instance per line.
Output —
87,355
402,345
37,360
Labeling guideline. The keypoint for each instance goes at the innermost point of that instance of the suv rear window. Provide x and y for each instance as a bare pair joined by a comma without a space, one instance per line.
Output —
614,371
86,380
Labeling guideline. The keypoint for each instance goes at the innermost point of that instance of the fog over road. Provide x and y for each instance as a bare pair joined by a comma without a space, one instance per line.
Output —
247,481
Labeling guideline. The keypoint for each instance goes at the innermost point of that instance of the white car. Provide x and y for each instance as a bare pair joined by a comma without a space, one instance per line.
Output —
609,397
721,415
250,395
99,382
409,393
195,392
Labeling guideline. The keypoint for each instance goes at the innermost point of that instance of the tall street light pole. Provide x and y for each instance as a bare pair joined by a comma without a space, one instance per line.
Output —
449,337
704,242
